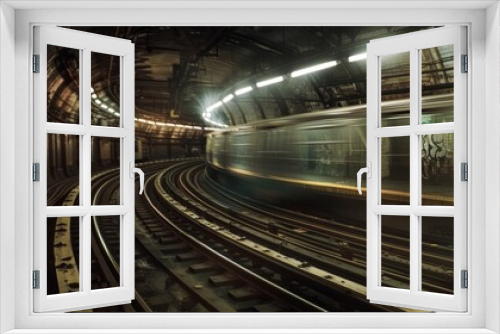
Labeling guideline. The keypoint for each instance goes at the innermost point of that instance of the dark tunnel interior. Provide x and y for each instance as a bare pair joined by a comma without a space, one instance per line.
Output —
250,168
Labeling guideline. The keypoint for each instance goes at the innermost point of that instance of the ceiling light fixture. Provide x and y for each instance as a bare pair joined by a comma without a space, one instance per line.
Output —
314,68
358,57
243,90
270,81
228,98
217,105
213,106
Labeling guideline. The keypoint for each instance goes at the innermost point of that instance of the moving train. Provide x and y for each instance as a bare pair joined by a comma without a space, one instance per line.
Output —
327,148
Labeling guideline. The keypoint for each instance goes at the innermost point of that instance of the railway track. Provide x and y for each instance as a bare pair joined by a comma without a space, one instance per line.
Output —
220,283
186,279
292,272
200,247
313,239
330,237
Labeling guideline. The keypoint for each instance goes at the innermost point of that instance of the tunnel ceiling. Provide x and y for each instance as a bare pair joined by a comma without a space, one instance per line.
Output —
180,71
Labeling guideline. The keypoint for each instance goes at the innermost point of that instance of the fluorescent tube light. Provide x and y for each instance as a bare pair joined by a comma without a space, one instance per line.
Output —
243,90
314,68
354,58
228,98
270,81
213,106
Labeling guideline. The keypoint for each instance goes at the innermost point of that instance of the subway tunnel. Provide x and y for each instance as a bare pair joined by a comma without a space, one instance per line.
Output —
251,139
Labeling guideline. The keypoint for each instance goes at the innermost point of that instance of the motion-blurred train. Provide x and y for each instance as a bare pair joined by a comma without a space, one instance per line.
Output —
327,148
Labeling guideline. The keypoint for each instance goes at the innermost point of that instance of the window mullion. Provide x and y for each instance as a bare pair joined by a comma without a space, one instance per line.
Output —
414,171
86,157
86,138
415,118
109,210
86,250
83,121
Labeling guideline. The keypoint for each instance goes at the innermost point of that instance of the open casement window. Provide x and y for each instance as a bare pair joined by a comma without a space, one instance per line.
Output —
67,230
416,198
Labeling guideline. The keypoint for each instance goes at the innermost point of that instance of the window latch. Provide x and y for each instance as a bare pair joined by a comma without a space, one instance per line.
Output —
141,176
368,171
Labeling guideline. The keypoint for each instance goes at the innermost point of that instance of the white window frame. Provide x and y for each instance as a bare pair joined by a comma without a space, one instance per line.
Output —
413,43
482,316
85,43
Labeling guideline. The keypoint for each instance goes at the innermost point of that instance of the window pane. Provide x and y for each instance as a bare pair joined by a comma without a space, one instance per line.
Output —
106,158
63,85
105,90
395,170
437,169
437,84
63,255
395,86
437,254
105,252
63,169
395,271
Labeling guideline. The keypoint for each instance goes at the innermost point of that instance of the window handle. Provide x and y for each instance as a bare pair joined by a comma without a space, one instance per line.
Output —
141,176
368,171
